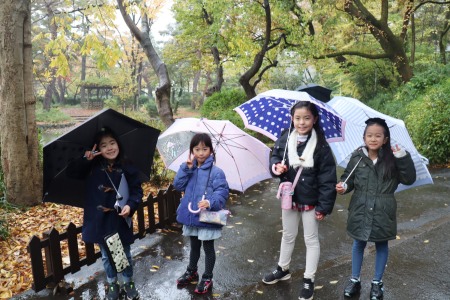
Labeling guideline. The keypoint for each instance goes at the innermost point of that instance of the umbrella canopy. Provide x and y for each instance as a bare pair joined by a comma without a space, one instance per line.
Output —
356,113
317,91
244,159
138,144
269,113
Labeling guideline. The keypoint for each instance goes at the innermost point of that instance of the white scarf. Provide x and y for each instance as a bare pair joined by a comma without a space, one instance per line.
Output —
306,160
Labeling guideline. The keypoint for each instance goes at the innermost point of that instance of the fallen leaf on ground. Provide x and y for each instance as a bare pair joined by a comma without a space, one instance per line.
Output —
334,281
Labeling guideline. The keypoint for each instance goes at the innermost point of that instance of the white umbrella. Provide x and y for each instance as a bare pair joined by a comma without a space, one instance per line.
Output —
243,158
356,113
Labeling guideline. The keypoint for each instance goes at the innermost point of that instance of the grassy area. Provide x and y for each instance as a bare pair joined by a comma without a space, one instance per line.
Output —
54,116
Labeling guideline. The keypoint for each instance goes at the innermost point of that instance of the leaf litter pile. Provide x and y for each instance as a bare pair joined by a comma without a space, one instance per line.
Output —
15,263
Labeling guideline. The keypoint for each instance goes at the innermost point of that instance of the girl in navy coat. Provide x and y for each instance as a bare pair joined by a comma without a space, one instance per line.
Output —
197,177
102,167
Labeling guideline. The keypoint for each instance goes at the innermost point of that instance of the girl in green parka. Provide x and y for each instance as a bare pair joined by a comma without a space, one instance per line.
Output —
374,173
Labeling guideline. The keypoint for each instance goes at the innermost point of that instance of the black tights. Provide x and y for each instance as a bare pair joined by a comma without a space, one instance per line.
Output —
210,256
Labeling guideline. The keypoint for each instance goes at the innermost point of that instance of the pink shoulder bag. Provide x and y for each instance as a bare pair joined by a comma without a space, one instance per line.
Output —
286,190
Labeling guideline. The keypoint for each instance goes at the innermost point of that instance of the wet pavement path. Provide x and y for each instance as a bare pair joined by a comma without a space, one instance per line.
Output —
418,266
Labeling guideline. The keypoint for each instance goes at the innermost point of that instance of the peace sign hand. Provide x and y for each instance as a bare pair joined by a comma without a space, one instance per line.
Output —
396,148
90,155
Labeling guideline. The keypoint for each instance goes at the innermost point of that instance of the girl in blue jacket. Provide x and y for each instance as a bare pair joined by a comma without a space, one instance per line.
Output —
197,177
102,167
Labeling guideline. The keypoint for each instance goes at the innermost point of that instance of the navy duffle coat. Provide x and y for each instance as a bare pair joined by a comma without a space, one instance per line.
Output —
96,223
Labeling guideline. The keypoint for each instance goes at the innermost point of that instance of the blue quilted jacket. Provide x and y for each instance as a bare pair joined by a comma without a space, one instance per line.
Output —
193,183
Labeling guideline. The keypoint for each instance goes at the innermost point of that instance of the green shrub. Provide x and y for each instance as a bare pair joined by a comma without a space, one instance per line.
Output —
220,106
150,107
159,174
428,123
143,117
55,115
184,100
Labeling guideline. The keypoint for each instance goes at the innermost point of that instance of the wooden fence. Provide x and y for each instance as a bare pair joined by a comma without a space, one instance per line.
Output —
53,271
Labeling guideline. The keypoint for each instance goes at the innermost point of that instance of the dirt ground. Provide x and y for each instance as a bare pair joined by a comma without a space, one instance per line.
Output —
78,112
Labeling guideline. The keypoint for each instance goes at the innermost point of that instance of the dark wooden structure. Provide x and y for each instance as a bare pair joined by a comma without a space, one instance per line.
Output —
49,269
101,92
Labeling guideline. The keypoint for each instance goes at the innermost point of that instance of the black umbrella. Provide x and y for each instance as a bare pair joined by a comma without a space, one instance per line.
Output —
138,144
317,91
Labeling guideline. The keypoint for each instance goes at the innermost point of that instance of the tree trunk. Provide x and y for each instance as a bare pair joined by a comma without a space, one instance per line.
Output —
83,63
413,39
51,87
18,130
205,89
163,91
48,96
195,94
139,83
442,35
255,69
61,91
83,78
219,73
392,45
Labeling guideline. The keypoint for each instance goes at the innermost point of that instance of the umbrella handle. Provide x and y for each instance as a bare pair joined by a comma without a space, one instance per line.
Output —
193,211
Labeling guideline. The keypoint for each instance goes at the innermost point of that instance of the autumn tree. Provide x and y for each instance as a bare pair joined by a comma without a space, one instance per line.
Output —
143,37
387,22
18,131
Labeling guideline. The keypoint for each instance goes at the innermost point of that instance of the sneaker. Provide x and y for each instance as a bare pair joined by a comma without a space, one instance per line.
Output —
276,276
203,286
130,291
113,291
307,292
187,277
352,288
377,290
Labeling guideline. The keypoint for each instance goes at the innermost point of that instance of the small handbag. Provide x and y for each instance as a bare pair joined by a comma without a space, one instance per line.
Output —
116,253
286,190
214,217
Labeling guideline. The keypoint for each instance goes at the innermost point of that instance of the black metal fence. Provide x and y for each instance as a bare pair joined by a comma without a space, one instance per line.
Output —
51,269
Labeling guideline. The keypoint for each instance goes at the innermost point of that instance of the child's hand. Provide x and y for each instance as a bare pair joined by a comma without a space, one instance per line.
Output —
319,216
280,168
125,212
189,161
398,152
90,155
341,188
396,148
203,204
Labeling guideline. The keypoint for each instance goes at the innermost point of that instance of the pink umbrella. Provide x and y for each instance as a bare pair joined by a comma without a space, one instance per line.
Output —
243,158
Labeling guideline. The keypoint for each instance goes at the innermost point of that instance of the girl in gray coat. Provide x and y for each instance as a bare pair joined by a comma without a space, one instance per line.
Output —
378,170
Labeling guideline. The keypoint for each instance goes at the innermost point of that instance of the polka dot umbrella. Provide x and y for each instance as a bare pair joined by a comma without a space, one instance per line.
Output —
269,113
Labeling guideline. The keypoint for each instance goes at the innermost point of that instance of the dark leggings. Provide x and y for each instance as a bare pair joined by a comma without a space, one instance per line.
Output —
210,256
